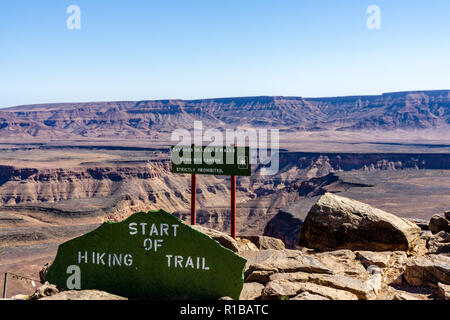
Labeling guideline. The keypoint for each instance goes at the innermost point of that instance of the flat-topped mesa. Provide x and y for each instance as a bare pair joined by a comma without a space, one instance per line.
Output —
335,222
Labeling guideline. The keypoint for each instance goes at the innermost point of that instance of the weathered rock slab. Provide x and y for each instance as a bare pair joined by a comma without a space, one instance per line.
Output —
444,291
84,295
447,215
400,295
259,273
439,243
251,291
343,262
309,296
335,222
263,242
285,261
224,239
44,291
438,224
362,289
277,289
369,258
428,270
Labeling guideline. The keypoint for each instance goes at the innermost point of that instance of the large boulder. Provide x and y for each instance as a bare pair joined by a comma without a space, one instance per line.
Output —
428,270
335,222
439,243
438,224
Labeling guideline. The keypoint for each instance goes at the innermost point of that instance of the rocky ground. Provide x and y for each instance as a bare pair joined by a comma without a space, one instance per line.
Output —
347,251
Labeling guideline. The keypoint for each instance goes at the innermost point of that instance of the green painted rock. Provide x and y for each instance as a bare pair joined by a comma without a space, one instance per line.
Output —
150,255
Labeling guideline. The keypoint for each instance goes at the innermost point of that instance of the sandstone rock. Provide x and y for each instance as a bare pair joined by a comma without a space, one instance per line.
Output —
447,215
292,276
84,295
444,291
438,224
44,291
342,262
245,245
368,258
421,223
276,290
285,261
425,235
222,238
251,291
363,290
439,243
401,295
263,242
336,222
309,296
43,273
428,270
259,273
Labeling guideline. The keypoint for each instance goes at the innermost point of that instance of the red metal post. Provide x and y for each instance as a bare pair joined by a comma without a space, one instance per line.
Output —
5,285
193,198
233,207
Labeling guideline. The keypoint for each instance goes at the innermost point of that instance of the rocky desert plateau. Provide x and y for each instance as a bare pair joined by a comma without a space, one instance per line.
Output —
381,164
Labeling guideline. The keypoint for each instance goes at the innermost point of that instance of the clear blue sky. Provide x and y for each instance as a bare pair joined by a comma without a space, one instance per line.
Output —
148,49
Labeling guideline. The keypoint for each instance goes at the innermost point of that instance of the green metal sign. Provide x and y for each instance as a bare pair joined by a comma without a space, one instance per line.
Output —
217,160
150,255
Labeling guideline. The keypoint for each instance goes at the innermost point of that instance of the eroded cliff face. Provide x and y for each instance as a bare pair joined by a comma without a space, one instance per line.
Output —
404,110
154,185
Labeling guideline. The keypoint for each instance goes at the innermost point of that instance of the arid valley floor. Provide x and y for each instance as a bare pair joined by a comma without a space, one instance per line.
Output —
52,191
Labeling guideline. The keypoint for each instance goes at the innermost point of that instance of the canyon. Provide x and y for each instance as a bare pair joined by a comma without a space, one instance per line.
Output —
66,168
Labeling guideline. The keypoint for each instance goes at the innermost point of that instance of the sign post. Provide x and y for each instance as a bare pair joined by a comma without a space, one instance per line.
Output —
233,207
218,160
5,285
193,198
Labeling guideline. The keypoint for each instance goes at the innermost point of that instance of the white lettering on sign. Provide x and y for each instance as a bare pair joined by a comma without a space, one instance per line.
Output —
162,230
180,262
152,243
106,259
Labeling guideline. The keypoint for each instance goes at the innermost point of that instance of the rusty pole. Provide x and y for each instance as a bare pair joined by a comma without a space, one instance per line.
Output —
193,198
193,192
5,285
233,205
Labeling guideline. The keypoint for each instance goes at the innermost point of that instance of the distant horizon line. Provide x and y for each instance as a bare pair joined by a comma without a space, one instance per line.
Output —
232,97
